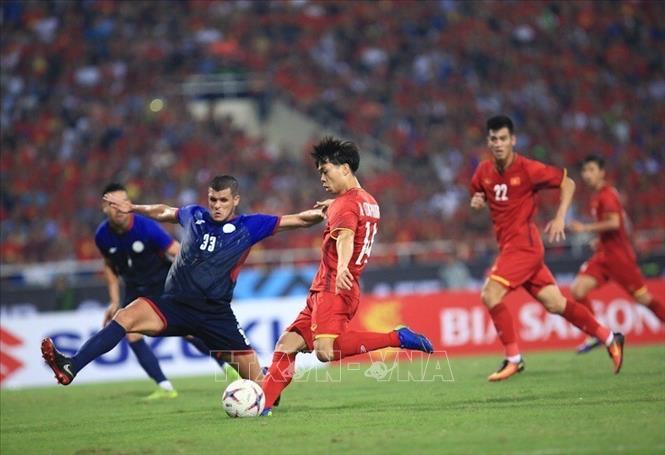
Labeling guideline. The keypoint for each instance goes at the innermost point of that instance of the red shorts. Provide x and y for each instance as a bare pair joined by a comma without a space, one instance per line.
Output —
326,315
621,270
520,267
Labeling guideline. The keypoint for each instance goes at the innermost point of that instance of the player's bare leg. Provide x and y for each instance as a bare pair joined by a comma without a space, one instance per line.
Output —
580,316
283,367
492,295
582,285
644,297
324,348
137,317
246,363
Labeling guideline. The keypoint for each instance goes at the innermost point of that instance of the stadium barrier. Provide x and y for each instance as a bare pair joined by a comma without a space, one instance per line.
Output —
456,322
22,366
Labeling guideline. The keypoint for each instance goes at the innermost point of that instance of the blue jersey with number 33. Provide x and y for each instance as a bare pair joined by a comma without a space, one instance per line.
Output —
204,273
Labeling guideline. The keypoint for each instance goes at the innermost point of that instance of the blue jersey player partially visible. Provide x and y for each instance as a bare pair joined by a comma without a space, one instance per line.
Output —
136,249
199,287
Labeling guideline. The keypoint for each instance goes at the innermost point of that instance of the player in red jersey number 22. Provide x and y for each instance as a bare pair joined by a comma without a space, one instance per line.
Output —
508,183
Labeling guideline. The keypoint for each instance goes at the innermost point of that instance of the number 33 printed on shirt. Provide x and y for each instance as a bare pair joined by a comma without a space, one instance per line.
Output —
209,242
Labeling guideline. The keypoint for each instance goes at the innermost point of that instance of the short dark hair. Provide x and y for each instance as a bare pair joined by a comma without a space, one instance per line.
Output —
500,121
593,158
222,182
112,187
336,151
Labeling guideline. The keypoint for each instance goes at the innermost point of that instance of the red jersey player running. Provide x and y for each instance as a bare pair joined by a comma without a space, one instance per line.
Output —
352,224
509,183
614,258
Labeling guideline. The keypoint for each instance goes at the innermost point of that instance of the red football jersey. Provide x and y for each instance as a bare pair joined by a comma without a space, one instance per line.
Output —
357,211
511,198
612,243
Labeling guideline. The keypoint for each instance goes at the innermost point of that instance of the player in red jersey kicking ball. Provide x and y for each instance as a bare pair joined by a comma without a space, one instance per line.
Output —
614,258
352,223
508,183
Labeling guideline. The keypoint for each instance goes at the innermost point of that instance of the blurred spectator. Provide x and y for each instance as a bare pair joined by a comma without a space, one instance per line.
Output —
91,93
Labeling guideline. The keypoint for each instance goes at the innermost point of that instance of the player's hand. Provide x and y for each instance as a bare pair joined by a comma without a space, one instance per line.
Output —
478,201
556,230
323,205
120,204
344,280
109,313
576,227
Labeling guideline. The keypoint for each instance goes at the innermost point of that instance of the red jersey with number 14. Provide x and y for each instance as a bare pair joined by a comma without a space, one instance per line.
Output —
511,198
357,211
613,243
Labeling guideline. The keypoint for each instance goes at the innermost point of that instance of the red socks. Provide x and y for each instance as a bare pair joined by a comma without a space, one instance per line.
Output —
279,376
503,322
586,302
353,343
580,316
658,309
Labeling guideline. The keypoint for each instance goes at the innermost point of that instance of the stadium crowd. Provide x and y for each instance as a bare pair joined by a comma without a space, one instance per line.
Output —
80,80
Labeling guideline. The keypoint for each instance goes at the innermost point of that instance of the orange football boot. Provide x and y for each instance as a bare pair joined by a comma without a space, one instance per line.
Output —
615,350
507,370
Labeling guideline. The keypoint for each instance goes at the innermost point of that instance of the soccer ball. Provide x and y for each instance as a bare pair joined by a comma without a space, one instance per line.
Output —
243,398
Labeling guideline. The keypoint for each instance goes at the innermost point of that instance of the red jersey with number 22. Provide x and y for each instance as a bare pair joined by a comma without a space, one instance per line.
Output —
355,210
511,198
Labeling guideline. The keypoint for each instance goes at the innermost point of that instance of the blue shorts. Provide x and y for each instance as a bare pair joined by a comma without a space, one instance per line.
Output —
220,331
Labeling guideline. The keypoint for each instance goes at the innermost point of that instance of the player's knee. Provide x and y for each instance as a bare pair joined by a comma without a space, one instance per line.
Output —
578,292
489,298
555,305
324,354
644,299
125,319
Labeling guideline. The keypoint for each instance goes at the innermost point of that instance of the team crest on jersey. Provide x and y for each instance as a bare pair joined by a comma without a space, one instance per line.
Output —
487,181
515,181
138,246
228,228
112,250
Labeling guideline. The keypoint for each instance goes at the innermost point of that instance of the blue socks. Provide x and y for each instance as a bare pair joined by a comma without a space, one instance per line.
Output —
147,360
199,344
97,345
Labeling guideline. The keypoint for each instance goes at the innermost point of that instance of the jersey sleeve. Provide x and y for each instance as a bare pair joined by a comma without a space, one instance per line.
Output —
261,226
475,186
185,214
609,202
343,215
544,176
158,236
99,241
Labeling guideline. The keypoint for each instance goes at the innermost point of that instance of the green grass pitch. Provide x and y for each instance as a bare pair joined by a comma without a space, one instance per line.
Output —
561,404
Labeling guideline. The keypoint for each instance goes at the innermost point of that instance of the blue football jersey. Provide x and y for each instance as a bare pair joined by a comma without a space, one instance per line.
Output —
138,255
204,273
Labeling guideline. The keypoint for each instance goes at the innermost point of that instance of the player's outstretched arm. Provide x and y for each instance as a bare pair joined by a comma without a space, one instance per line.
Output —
612,222
478,201
159,212
301,220
556,229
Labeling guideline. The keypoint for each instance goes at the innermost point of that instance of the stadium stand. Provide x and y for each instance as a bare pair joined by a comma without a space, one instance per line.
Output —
79,80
